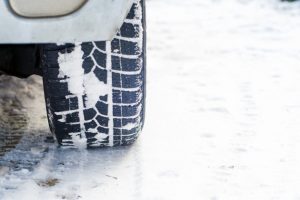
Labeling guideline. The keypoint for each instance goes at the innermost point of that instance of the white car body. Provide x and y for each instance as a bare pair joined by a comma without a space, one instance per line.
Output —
96,20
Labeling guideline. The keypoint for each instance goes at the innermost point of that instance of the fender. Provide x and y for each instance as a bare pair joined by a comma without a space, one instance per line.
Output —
96,20
45,8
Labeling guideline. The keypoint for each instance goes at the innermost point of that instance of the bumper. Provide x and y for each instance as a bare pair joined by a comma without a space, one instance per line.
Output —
97,20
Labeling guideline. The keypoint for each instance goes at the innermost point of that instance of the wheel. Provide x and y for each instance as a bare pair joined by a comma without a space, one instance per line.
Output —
95,91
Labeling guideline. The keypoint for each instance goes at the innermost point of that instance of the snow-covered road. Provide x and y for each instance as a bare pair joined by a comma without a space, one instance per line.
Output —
223,114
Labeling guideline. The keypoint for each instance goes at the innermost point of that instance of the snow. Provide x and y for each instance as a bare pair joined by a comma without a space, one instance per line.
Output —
93,89
223,114
70,66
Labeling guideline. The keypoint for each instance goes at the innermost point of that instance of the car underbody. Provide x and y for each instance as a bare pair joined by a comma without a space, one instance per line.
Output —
20,60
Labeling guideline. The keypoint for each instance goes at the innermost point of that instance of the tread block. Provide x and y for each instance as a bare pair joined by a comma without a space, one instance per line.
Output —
129,30
89,113
100,58
88,65
103,121
126,64
102,108
125,111
126,96
90,125
101,74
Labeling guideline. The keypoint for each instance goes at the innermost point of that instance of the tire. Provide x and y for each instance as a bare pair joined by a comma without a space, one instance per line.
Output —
95,91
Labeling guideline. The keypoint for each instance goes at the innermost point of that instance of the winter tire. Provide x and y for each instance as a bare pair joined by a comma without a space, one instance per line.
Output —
95,91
